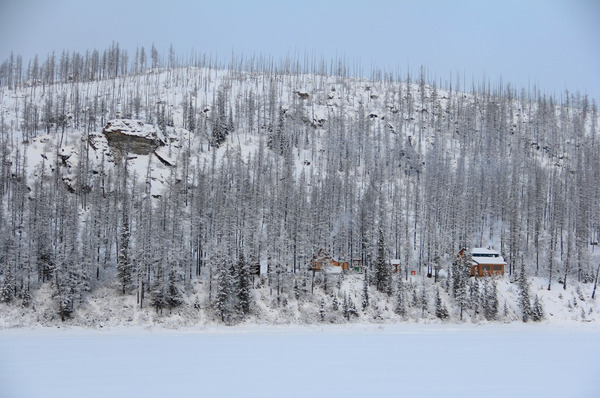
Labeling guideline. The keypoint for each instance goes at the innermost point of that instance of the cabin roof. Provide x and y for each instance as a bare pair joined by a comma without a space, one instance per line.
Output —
489,261
489,256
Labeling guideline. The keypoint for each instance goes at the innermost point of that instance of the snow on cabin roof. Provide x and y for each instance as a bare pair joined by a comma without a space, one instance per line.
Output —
489,260
487,256
135,128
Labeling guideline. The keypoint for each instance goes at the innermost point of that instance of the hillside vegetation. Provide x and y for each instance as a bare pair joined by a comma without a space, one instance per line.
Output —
260,164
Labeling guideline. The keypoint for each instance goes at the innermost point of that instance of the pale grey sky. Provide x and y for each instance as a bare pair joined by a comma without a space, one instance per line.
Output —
554,44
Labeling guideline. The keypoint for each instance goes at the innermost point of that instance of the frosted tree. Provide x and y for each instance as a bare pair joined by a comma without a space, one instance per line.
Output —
400,307
424,298
322,310
490,294
346,307
335,304
383,272
243,285
460,277
7,293
26,296
523,289
537,310
365,291
158,297
440,308
125,267
174,295
224,298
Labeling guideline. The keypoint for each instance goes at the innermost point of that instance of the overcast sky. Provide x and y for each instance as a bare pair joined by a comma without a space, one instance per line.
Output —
554,44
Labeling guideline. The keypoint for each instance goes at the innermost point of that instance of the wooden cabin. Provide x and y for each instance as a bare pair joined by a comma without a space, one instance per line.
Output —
323,261
485,262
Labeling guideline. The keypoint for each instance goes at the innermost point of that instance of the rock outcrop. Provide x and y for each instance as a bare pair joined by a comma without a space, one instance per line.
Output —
133,136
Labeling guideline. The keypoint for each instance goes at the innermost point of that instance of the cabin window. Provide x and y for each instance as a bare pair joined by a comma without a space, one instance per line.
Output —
485,267
497,268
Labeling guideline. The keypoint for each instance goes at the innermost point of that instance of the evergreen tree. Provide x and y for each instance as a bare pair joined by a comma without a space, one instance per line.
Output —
475,296
365,292
491,300
335,303
460,276
174,295
383,272
296,289
400,307
26,295
537,311
352,312
440,309
8,289
524,301
158,298
243,286
423,299
223,301
346,308
415,297
124,264
322,311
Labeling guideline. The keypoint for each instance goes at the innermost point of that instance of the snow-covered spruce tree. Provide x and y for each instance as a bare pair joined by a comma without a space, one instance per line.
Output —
414,301
296,288
352,312
8,285
490,306
174,295
26,296
524,300
158,297
383,272
63,284
335,304
223,303
322,311
423,299
365,291
219,125
124,264
460,278
537,311
474,295
242,285
400,307
440,309
346,308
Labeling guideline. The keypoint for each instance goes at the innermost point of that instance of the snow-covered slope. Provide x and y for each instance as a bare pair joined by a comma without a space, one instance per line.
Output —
276,166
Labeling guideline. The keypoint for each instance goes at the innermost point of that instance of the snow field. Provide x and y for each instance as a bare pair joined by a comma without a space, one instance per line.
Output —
291,361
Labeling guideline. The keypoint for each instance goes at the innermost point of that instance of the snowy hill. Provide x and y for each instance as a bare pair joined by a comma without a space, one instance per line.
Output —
147,196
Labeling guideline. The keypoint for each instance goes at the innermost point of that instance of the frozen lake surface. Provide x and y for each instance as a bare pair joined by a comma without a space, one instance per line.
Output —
291,361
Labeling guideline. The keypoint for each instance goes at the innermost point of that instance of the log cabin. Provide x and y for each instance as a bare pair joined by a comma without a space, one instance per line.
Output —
323,261
486,262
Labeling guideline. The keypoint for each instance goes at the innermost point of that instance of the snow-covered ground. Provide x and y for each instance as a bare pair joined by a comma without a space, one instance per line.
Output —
412,360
